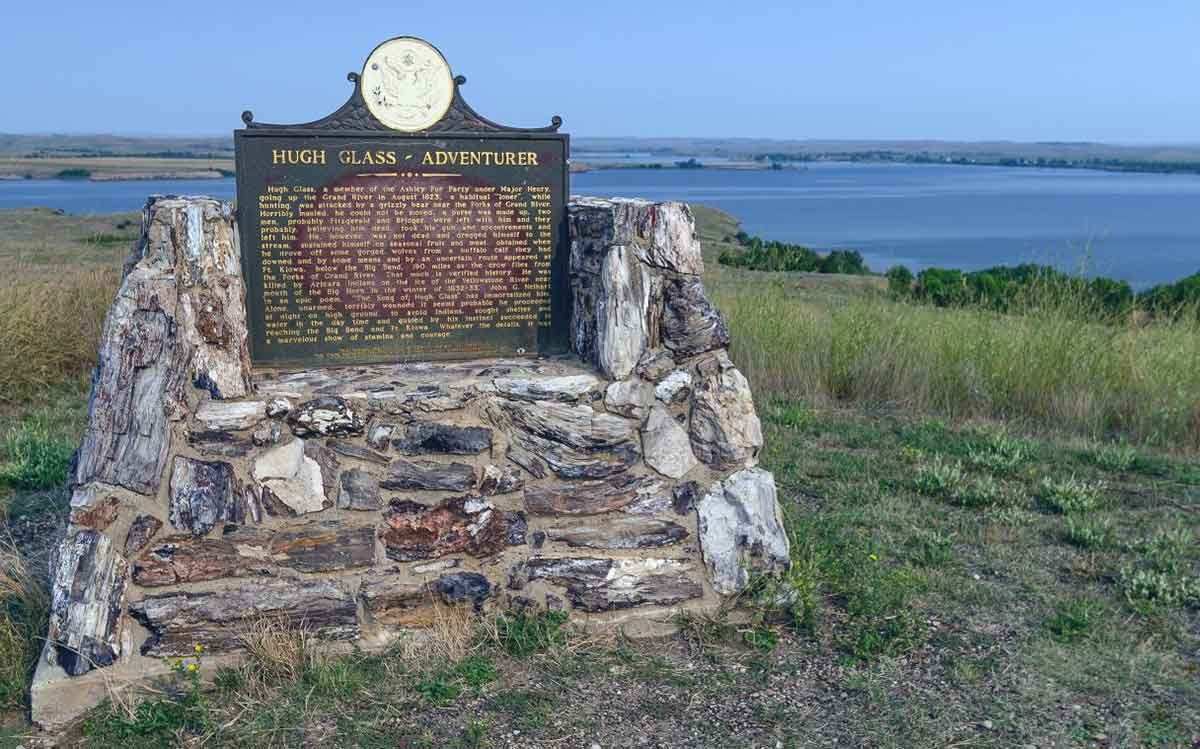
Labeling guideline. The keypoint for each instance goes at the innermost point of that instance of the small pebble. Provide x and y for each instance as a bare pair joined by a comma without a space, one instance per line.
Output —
987,724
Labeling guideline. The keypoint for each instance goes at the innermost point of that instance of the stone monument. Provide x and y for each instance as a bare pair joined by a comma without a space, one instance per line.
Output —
407,373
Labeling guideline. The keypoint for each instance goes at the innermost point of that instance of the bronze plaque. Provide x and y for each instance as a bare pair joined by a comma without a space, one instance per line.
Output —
362,243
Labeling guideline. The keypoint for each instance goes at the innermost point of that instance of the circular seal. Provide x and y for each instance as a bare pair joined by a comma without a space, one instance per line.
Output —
407,84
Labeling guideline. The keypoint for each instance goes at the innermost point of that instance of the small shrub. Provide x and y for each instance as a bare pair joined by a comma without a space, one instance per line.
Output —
1168,550
1074,619
476,671
438,688
521,635
155,722
1000,453
1069,495
980,492
1088,533
1157,587
940,478
1117,458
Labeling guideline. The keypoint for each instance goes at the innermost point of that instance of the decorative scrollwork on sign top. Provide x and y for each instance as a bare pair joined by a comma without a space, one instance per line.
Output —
355,116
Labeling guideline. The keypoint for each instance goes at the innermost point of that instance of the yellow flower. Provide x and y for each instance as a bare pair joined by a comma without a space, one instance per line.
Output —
192,667
199,648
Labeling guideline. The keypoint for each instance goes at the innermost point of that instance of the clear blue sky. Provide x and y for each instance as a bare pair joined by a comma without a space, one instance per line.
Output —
954,69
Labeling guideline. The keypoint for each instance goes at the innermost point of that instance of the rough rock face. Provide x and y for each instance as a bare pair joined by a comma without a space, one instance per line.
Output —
586,497
426,474
667,447
500,480
469,525
202,495
725,430
741,528
85,608
575,442
691,325
395,601
246,552
568,389
291,478
325,416
596,584
422,437
359,491
359,500
226,416
627,532
177,621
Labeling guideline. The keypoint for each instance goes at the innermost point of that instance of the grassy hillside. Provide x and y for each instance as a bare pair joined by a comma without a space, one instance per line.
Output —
993,523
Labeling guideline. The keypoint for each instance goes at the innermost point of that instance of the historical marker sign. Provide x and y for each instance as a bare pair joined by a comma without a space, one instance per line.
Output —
404,226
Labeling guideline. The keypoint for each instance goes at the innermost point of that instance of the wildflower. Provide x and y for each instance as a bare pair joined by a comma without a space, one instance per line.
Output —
199,648
193,667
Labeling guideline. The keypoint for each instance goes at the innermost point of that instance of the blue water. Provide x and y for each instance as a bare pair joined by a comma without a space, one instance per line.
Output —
1144,228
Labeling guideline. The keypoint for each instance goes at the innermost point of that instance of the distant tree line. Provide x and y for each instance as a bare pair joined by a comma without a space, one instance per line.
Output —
772,255
1012,288
925,157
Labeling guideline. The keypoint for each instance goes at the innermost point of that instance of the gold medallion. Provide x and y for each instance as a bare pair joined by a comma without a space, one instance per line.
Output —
407,84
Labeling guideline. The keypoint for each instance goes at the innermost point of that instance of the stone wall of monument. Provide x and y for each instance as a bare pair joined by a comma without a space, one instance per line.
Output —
618,485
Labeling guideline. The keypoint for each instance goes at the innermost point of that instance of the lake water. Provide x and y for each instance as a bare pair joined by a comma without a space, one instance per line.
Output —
1144,228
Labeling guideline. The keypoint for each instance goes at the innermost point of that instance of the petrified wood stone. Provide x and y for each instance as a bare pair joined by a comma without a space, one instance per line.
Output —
328,462
427,474
141,530
177,621
228,416
617,532
359,491
690,323
741,529
585,497
515,528
575,442
349,449
244,552
675,387
500,480
202,494
88,593
137,386
598,584
223,444
567,388
324,417
395,601
432,437
379,436
725,431
467,525
97,516
630,398
323,547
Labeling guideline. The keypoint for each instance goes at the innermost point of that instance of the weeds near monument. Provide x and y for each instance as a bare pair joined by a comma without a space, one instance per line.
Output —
24,604
183,708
